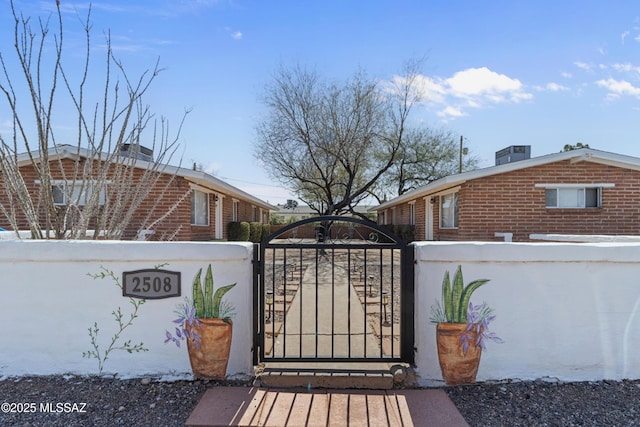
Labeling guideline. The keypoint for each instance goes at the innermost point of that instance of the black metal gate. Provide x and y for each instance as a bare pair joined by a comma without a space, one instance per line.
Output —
333,288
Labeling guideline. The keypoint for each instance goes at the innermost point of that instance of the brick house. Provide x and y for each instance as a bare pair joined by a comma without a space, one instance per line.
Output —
185,204
583,191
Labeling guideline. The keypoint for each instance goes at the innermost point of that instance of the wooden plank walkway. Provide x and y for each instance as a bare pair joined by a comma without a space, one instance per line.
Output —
250,406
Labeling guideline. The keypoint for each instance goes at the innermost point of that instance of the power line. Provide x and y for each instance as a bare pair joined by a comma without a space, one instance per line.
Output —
253,183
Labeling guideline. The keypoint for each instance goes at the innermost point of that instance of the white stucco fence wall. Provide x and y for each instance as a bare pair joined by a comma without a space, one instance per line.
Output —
48,302
565,311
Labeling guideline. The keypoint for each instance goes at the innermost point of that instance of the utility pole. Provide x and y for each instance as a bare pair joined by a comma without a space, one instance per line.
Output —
460,164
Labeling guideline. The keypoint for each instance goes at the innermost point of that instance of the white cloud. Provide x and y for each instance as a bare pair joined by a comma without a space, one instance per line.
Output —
234,34
428,88
619,88
622,67
624,36
582,65
626,68
551,87
475,82
470,88
450,112
566,75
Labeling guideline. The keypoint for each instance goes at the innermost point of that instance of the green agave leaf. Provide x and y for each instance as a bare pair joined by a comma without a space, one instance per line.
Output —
217,298
466,297
198,297
456,297
446,297
208,294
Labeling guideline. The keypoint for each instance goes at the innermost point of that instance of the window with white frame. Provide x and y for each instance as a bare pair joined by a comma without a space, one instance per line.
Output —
234,214
199,207
449,210
75,192
573,196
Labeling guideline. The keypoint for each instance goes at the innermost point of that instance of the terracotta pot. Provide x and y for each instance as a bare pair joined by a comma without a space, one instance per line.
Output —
457,367
210,360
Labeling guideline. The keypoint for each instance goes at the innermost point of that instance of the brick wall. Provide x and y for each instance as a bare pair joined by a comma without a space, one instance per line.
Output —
245,213
420,213
510,202
170,198
169,193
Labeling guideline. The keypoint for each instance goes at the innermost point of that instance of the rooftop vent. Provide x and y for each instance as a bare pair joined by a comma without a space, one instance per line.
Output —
512,154
136,151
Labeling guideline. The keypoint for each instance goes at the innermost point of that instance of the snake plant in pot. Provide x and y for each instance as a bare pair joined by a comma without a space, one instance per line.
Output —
205,322
462,329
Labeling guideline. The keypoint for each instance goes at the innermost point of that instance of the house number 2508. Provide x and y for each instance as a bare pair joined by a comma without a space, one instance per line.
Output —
159,285
151,284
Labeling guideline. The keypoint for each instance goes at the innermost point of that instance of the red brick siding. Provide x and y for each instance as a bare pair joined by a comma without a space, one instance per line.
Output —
160,200
170,192
402,214
420,215
245,213
510,202
227,213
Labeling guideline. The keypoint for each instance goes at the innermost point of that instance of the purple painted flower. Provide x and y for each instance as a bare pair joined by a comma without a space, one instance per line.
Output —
478,319
186,320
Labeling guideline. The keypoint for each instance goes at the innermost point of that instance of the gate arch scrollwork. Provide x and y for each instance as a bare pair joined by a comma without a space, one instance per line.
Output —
333,288
335,230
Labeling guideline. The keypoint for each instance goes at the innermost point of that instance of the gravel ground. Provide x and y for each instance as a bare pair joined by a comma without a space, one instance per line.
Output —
541,403
113,402
99,401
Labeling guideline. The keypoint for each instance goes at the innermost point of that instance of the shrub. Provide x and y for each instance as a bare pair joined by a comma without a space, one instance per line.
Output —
245,231
406,232
266,230
255,234
233,231
238,231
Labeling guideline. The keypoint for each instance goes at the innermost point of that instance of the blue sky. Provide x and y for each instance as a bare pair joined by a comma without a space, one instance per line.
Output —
540,73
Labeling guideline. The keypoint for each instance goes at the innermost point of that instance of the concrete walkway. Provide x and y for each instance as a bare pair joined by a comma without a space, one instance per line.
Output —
248,406
337,328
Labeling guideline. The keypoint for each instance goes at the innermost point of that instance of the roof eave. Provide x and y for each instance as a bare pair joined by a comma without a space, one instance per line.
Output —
209,181
584,154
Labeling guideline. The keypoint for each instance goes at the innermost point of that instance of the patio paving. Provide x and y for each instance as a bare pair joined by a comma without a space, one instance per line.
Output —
250,406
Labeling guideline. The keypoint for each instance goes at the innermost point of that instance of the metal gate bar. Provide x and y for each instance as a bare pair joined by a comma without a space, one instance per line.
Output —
286,296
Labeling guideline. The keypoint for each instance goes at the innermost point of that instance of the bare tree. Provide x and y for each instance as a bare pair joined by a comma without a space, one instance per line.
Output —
60,184
331,141
425,155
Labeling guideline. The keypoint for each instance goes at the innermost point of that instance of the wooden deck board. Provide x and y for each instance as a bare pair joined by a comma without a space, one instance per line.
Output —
241,406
